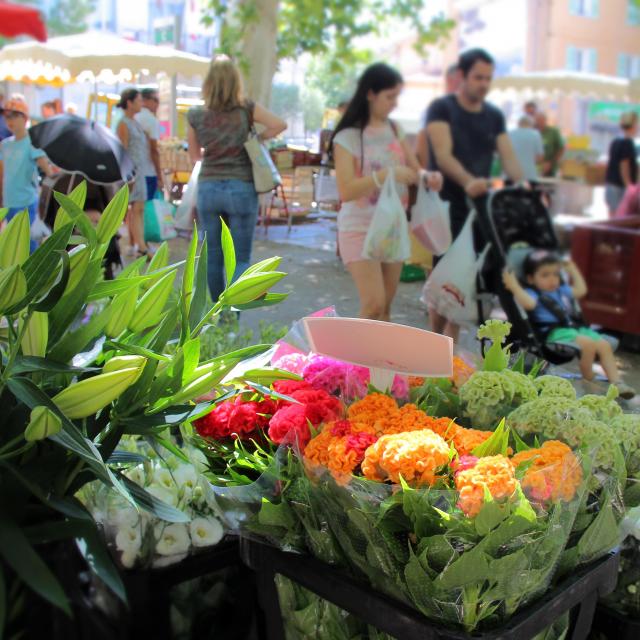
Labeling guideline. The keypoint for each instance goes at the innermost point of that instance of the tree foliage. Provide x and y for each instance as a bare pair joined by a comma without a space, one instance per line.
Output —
67,17
325,27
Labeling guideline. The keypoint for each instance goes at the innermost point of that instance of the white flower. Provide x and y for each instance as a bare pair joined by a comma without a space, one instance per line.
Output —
128,541
164,494
199,460
205,532
186,479
136,474
163,477
630,526
172,539
128,517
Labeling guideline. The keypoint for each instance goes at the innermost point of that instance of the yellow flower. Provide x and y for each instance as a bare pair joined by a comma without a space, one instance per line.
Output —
415,456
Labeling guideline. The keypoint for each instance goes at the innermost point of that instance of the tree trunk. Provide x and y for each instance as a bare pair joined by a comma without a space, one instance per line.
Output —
259,48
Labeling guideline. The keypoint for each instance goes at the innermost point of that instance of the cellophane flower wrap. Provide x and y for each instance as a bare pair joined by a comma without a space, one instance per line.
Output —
138,539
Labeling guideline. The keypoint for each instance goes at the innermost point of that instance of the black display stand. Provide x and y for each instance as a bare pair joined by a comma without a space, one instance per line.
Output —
615,625
577,594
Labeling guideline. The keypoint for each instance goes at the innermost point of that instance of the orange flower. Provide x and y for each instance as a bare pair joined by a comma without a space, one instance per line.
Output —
496,473
340,447
372,408
415,456
409,418
415,381
466,440
555,473
461,371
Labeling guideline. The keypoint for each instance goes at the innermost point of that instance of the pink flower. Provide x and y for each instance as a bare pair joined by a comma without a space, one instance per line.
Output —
293,362
463,463
287,387
289,425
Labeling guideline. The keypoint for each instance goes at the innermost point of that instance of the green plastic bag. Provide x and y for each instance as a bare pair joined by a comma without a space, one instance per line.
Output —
159,219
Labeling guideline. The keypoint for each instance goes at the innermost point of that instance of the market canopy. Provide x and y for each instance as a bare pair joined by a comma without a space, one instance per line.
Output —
21,20
94,56
566,82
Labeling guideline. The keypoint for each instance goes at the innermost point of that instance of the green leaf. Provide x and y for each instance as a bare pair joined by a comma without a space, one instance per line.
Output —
150,503
78,216
110,288
21,557
113,215
268,375
490,516
57,291
29,364
200,290
601,536
160,258
43,262
189,271
249,288
496,444
3,587
267,300
136,350
472,566
169,446
92,547
75,341
229,252
191,355
126,457
269,264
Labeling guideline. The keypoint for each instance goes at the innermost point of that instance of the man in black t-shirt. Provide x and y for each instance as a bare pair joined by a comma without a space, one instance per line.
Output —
464,132
622,168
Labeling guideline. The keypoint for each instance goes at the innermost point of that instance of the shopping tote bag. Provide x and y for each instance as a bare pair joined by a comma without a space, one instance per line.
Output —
430,221
387,239
159,221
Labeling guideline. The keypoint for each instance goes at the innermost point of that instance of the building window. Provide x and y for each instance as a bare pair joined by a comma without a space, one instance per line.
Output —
633,13
585,8
583,60
628,66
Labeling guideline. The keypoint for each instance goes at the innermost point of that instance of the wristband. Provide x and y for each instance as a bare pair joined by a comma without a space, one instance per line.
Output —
375,180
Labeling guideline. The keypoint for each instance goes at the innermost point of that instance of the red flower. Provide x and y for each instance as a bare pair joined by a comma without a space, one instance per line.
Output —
289,425
321,406
288,387
266,408
216,424
341,428
360,442
244,418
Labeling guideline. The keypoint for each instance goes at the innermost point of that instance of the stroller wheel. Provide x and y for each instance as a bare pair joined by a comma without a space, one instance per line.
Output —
558,353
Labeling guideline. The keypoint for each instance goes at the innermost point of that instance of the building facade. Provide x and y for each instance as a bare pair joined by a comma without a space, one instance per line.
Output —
590,36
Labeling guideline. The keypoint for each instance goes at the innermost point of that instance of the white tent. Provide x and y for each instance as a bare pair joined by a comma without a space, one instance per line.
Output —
594,85
93,56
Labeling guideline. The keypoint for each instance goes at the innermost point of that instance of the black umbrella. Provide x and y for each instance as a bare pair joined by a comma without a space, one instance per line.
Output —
78,145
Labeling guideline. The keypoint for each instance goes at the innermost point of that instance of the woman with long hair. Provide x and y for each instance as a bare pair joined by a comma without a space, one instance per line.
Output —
135,142
217,133
366,145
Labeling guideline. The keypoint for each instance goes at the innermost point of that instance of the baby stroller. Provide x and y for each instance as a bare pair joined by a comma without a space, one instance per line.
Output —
98,196
515,221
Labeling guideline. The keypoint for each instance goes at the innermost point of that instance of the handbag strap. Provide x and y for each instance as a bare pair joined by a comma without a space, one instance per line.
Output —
252,125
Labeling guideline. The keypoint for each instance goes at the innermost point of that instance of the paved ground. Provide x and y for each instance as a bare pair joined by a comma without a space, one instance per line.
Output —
317,279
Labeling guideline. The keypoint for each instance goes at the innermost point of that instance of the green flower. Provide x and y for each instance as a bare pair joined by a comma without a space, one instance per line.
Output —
548,386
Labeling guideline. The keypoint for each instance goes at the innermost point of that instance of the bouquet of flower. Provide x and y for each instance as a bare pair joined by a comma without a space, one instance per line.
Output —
138,538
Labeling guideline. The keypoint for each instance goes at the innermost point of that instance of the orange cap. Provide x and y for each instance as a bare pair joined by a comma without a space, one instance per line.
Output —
17,103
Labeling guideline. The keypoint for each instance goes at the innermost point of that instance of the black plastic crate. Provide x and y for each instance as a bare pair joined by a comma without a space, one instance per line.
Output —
616,625
577,595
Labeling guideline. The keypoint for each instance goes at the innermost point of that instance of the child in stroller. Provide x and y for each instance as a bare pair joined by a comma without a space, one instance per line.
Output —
551,305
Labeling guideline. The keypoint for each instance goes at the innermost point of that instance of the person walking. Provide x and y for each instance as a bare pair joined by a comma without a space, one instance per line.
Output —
622,167
527,145
366,145
464,132
150,124
553,145
135,141
216,134
5,132
19,162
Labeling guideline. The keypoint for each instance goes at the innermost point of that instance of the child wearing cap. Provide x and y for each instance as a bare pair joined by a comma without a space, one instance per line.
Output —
19,161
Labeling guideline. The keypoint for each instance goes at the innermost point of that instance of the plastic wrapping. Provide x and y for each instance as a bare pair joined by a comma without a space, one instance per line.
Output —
140,539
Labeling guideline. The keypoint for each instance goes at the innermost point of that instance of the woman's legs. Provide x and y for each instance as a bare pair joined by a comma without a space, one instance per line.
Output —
369,280
391,277
136,226
243,216
209,212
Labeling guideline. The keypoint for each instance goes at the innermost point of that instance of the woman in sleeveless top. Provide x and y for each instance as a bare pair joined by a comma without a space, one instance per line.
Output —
134,140
366,144
217,133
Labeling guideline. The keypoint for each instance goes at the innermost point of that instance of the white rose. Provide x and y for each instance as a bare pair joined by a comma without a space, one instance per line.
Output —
128,542
164,494
136,474
205,532
163,477
172,539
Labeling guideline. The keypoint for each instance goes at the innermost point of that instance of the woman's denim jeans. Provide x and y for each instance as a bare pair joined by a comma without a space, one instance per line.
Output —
236,201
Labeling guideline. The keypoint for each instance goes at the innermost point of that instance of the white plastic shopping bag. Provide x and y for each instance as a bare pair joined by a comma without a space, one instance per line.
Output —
39,230
185,211
159,221
430,221
451,288
387,239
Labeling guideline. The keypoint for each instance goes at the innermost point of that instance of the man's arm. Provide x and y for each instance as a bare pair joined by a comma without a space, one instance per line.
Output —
440,136
155,159
44,166
508,158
